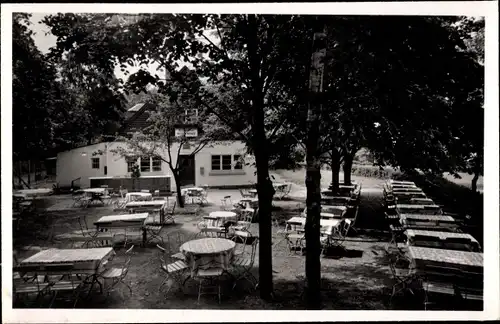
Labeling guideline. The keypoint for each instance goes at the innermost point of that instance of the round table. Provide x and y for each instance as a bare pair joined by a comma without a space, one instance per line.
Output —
223,217
208,252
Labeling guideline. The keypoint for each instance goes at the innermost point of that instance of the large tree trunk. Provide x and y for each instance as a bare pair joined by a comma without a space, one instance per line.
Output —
335,166
265,191
348,159
177,179
312,229
313,178
265,188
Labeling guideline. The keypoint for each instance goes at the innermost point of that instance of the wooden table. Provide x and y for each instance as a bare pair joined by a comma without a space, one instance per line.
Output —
153,204
411,207
467,261
324,223
138,196
208,252
85,261
106,223
35,192
410,233
419,221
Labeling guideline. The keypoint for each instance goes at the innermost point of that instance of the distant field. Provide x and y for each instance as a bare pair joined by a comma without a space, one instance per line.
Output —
465,181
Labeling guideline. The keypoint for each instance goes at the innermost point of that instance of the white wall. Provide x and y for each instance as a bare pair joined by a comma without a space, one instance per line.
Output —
72,164
77,163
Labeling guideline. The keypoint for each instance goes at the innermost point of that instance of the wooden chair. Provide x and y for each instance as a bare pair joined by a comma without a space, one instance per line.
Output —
403,274
117,274
338,237
242,266
246,193
208,279
246,218
281,231
174,270
240,237
295,242
439,281
62,281
26,283
226,203
168,213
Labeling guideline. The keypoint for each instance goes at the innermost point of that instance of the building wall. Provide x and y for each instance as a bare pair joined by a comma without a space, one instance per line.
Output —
77,163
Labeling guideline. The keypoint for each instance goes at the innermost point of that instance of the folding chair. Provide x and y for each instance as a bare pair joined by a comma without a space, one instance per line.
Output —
153,229
245,193
280,231
240,238
295,242
403,274
173,269
174,242
246,218
338,236
226,203
26,284
62,281
439,281
168,213
209,227
203,197
208,279
243,264
117,274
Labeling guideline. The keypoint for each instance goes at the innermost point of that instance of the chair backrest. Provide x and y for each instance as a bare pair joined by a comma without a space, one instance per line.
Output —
247,214
254,249
347,226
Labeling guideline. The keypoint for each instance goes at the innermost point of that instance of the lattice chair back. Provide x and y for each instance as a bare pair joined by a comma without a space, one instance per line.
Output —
247,215
347,226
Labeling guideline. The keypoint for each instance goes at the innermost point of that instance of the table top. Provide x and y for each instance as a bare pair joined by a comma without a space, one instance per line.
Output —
222,214
441,235
323,222
412,206
139,194
406,189
474,259
122,218
94,190
41,191
68,256
152,203
192,189
207,246
417,194
440,218
331,207
401,182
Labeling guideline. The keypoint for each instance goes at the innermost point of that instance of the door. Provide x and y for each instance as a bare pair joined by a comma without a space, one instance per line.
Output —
187,170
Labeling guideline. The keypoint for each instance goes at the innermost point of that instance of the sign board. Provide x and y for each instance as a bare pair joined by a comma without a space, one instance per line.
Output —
191,132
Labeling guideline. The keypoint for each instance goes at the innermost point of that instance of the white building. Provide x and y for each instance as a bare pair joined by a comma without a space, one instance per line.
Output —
219,165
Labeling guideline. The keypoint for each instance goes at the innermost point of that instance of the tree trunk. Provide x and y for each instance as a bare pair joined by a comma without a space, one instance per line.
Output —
474,182
348,159
265,188
177,179
335,166
265,191
312,230
313,177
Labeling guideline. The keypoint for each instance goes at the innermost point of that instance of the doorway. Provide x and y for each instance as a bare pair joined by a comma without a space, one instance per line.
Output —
187,170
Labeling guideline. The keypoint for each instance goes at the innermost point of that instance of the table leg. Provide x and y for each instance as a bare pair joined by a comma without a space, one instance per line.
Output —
144,237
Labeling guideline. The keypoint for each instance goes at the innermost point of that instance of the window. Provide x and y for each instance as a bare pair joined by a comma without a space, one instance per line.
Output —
95,163
226,162
156,163
216,162
145,164
130,164
238,162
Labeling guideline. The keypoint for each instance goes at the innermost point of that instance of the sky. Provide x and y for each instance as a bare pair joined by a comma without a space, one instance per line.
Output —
44,40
